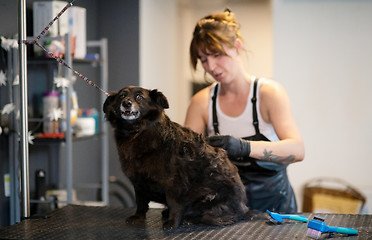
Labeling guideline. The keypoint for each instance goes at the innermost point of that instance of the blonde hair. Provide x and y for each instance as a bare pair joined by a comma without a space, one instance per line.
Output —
212,32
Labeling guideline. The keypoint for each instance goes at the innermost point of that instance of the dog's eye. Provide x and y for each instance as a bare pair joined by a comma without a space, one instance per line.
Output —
139,97
123,95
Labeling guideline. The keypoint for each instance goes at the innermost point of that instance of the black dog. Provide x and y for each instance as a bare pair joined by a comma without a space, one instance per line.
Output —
171,164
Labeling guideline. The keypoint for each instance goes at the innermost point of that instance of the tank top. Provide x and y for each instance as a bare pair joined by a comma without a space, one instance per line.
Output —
240,126
266,183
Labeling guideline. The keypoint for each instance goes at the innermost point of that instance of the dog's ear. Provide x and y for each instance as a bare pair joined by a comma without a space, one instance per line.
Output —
107,104
159,98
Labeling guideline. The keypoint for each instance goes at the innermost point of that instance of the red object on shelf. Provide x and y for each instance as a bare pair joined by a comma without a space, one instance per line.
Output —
51,135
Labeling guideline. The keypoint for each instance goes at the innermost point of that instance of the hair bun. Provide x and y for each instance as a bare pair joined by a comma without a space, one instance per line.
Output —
213,32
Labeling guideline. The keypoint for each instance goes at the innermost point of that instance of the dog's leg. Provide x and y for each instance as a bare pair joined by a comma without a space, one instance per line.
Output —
176,211
142,207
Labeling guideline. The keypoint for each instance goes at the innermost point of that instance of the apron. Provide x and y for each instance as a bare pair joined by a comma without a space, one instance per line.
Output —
266,183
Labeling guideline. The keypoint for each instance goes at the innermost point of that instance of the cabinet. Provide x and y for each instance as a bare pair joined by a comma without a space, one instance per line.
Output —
52,149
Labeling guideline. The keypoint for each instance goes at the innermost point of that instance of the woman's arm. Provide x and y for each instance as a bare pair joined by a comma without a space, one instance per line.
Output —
275,108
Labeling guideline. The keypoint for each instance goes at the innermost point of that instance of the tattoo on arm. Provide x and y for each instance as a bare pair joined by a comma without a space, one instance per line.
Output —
270,157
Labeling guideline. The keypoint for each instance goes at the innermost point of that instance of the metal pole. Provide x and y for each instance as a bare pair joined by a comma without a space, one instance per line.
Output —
23,111
68,134
103,46
104,129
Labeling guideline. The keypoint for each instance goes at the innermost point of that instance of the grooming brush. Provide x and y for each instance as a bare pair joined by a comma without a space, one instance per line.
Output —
316,227
276,217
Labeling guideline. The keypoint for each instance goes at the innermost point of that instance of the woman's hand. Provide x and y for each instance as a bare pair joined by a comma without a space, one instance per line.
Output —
234,147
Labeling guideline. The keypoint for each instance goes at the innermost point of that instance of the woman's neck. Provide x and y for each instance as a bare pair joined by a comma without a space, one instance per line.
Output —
238,86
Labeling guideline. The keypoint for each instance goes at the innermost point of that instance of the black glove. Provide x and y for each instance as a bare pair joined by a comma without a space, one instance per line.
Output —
235,147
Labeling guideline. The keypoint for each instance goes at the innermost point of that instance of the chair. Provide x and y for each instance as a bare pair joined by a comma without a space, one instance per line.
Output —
332,195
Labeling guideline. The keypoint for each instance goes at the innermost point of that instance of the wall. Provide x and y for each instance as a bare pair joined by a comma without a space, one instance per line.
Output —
158,50
323,57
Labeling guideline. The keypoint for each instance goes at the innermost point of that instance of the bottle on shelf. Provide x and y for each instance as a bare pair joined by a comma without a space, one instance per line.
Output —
50,107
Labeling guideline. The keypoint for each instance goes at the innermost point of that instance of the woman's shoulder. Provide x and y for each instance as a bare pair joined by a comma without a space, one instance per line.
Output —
269,87
272,98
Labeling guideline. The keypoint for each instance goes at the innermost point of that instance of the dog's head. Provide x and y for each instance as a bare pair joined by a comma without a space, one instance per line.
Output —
132,105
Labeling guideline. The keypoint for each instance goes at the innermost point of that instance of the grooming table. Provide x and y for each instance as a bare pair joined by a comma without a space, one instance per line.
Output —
83,222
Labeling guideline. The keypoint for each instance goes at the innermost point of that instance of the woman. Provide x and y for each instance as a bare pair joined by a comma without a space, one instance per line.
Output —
249,117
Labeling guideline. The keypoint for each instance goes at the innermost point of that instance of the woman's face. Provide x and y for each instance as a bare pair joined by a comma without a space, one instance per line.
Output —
221,67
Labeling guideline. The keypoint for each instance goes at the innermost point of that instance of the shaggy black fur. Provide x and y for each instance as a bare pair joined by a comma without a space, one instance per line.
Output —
171,164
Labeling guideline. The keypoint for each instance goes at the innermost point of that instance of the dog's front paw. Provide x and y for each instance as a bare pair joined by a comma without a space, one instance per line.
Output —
135,220
170,224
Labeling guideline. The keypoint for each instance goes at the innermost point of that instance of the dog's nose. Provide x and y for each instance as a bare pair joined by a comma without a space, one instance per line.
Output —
127,104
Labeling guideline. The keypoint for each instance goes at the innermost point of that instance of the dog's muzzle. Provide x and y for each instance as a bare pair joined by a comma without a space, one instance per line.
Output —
129,113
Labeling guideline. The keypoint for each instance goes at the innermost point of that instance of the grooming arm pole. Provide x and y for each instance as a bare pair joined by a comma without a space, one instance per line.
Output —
25,185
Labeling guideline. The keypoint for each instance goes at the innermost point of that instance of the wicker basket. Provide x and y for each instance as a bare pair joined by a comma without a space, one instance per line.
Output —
330,195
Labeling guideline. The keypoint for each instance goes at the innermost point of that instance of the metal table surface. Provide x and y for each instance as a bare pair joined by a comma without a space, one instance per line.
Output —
83,222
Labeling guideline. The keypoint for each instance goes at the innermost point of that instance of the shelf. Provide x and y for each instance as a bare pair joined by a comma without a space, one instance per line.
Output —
48,68
51,140
37,80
